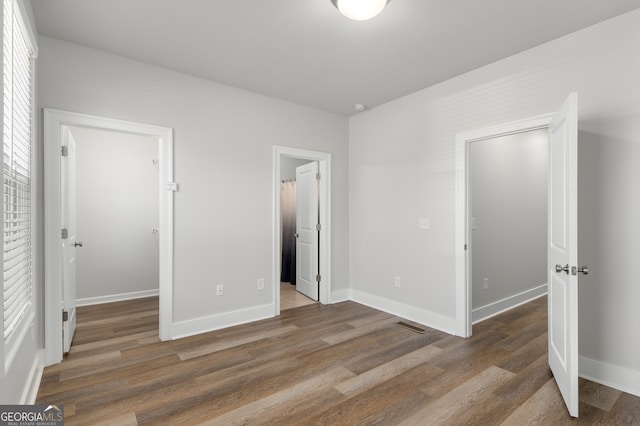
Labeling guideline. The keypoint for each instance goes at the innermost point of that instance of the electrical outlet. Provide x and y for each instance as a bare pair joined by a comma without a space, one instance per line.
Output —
219,290
423,223
261,284
396,282
486,283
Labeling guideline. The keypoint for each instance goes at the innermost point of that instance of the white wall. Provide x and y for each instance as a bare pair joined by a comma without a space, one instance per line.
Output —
508,200
223,148
117,209
288,166
401,167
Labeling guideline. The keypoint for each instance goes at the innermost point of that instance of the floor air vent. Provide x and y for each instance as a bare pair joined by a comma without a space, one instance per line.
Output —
412,327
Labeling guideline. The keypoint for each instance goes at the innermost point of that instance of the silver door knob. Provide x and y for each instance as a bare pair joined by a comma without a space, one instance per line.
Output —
296,235
583,269
78,244
559,269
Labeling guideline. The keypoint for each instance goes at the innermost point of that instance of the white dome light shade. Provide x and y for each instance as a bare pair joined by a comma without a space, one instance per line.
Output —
360,10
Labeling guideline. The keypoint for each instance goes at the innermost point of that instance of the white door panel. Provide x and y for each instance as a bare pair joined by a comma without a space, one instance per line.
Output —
307,234
563,251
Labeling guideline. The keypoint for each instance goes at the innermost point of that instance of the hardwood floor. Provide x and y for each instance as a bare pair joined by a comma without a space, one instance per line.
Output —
291,298
342,364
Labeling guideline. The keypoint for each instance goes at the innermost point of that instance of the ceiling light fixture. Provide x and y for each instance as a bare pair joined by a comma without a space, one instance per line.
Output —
360,10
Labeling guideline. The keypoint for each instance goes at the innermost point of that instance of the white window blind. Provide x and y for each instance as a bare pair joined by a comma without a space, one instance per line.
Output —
17,120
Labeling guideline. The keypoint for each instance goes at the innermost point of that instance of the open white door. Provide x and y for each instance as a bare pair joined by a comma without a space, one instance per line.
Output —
69,241
307,221
563,251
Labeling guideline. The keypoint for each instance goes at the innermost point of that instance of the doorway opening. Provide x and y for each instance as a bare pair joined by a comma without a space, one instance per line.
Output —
507,204
493,295
315,281
58,127
562,239
297,291
117,204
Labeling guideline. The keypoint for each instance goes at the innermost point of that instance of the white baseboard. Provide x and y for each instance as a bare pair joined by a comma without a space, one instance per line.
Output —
621,378
116,297
216,322
496,308
32,384
421,316
340,296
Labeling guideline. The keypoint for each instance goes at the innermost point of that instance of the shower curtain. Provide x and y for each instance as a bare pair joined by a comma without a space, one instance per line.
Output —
288,213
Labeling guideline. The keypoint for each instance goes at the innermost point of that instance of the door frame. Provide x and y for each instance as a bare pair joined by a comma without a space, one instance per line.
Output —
324,167
55,124
462,229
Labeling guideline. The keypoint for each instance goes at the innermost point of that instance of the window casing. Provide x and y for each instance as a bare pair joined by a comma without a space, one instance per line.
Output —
18,212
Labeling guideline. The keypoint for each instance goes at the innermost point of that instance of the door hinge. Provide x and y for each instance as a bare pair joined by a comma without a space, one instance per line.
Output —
318,278
318,176
65,316
64,150
64,234
465,246
318,227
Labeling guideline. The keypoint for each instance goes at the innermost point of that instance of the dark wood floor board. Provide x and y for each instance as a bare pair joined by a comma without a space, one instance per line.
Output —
115,375
524,336
359,331
278,397
598,396
459,401
223,344
342,364
625,411
476,351
218,394
522,357
388,371
300,413
411,343
384,402
78,349
525,383
361,349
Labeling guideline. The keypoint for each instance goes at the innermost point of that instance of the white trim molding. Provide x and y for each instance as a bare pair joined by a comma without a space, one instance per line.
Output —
496,308
421,316
55,123
88,301
614,376
195,326
32,385
340,296
324,166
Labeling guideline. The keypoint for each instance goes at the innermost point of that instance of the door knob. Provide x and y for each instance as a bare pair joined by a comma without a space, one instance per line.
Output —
297,235
583,269
77,244
559,269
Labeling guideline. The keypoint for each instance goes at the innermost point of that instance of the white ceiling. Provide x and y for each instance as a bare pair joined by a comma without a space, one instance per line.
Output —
304,51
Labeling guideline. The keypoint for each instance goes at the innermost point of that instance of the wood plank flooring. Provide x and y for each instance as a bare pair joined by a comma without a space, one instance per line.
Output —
291,298
342,364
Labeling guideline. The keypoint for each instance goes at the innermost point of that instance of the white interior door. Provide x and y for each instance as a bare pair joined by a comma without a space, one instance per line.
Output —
307,220
70,243
563,251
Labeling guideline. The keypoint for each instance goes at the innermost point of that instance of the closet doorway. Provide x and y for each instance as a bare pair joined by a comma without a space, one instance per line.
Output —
58,126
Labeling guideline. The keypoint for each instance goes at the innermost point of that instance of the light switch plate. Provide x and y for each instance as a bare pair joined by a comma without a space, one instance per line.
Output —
423,223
